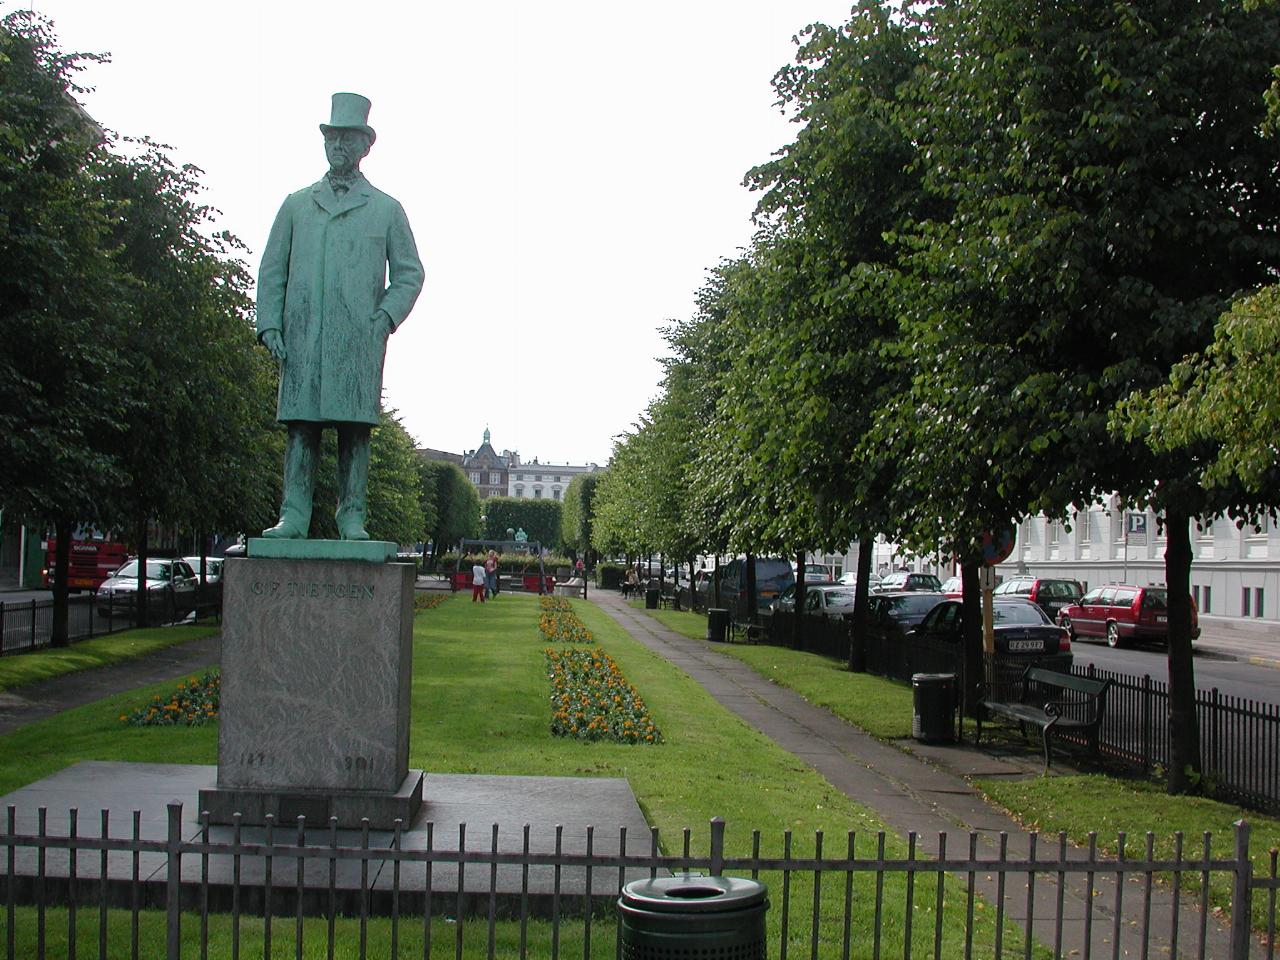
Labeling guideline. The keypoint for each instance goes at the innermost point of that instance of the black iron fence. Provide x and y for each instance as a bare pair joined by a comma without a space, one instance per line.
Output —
68,892
1240,738
28,624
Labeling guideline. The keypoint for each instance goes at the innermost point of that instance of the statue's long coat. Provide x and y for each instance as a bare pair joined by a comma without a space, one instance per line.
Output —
324,273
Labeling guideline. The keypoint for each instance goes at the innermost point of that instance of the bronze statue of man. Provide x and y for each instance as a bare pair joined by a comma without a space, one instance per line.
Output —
340,273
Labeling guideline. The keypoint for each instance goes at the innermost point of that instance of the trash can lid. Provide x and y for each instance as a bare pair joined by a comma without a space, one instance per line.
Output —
932,677
692,893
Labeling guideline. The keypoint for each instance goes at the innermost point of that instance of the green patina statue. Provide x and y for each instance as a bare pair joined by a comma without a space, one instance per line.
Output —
340,273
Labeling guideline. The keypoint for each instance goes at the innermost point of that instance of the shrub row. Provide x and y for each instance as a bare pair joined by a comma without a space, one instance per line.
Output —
507,562
609,576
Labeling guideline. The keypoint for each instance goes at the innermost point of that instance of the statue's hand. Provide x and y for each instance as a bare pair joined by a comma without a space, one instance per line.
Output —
272,340
382,320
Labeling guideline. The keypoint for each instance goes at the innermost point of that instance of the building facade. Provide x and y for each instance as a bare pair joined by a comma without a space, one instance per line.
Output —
1235,570
504,475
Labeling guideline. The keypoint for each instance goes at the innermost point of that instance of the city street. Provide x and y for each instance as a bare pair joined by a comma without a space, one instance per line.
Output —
1236,678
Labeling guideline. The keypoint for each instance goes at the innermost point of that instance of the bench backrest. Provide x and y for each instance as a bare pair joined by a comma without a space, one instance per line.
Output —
1094,689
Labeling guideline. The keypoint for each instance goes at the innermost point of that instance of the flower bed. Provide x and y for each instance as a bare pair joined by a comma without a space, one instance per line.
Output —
591,699
193,704
560,624
428,601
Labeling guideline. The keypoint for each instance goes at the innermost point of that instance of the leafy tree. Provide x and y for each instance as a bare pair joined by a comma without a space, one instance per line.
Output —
61,372
578,512
1111,193
394,492
456,501
540,519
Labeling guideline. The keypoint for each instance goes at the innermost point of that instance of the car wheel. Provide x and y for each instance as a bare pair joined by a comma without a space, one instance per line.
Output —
1113,634
1066,625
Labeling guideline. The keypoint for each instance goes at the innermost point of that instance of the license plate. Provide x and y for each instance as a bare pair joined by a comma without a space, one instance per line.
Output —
1019,646
81,583
1160,619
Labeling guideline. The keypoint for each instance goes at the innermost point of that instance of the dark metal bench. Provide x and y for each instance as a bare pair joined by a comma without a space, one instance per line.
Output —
1054,702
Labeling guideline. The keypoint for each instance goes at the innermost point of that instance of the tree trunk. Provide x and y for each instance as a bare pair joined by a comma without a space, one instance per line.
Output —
693,594
141,598
973,669
861,610
752,610
1184,728
59,635
715,583
797,634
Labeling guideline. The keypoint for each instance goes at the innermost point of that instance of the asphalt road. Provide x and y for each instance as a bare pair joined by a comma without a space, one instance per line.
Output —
1239,679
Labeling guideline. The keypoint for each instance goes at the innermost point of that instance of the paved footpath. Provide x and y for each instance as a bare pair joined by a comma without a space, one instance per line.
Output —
925,791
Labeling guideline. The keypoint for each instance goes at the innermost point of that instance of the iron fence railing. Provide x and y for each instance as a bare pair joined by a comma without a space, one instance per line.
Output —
1240,738
27,625
236,890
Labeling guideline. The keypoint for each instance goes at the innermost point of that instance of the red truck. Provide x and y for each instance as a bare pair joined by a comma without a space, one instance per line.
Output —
90,563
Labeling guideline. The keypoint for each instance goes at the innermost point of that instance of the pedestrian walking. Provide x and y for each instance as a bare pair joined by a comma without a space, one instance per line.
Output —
477,581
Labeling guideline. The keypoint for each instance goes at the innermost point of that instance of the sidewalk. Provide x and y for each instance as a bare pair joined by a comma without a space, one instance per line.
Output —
922,789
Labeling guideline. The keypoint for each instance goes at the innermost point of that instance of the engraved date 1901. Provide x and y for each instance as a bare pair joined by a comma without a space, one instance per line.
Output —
357,763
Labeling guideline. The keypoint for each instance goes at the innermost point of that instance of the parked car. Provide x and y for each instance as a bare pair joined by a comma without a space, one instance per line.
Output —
1049,595
171,589
952,588
773,576
784,602
1122,613
213,568
817,573
902,580
893,614
850,579
1023,633
828,600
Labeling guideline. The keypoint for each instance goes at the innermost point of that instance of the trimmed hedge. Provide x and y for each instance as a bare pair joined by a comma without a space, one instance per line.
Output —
609,576
507,562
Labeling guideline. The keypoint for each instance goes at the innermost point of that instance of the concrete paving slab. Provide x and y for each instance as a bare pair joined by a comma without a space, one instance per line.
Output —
574,803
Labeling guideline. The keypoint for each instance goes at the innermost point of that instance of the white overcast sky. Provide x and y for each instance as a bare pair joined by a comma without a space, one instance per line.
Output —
570,170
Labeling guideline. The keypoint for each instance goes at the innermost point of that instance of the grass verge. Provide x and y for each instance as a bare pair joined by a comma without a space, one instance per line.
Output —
49,662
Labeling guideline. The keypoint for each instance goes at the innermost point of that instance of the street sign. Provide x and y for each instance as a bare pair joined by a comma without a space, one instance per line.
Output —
996,547
1137,523
987,578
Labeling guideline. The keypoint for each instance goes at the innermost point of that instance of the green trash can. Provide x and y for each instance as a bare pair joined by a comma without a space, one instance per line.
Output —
687,915
933,719
651,598
717,625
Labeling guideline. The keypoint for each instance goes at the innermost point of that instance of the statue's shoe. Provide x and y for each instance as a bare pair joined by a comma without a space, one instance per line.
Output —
353,531
284,531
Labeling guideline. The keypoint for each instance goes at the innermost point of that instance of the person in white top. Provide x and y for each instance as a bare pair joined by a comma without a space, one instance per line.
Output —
477,582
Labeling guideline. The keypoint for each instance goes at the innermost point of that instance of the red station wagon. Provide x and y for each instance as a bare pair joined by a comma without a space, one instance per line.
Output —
1123,613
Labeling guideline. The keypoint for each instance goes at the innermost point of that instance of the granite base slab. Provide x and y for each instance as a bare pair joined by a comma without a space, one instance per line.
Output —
458,811
349,807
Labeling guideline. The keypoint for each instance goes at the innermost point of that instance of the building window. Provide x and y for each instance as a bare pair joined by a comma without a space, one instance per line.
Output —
1083,524
519,490
495,477
1208,599
555,493
1054,531
475,477
1244,602
537,493
1257,602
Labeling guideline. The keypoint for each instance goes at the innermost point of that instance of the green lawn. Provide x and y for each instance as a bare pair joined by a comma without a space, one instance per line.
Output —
24,668
1076,804
481,705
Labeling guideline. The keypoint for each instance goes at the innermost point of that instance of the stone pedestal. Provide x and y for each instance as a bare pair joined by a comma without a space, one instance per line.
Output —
316,669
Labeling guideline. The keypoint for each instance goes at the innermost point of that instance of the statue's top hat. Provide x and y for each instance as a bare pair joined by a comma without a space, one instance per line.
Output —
350,111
